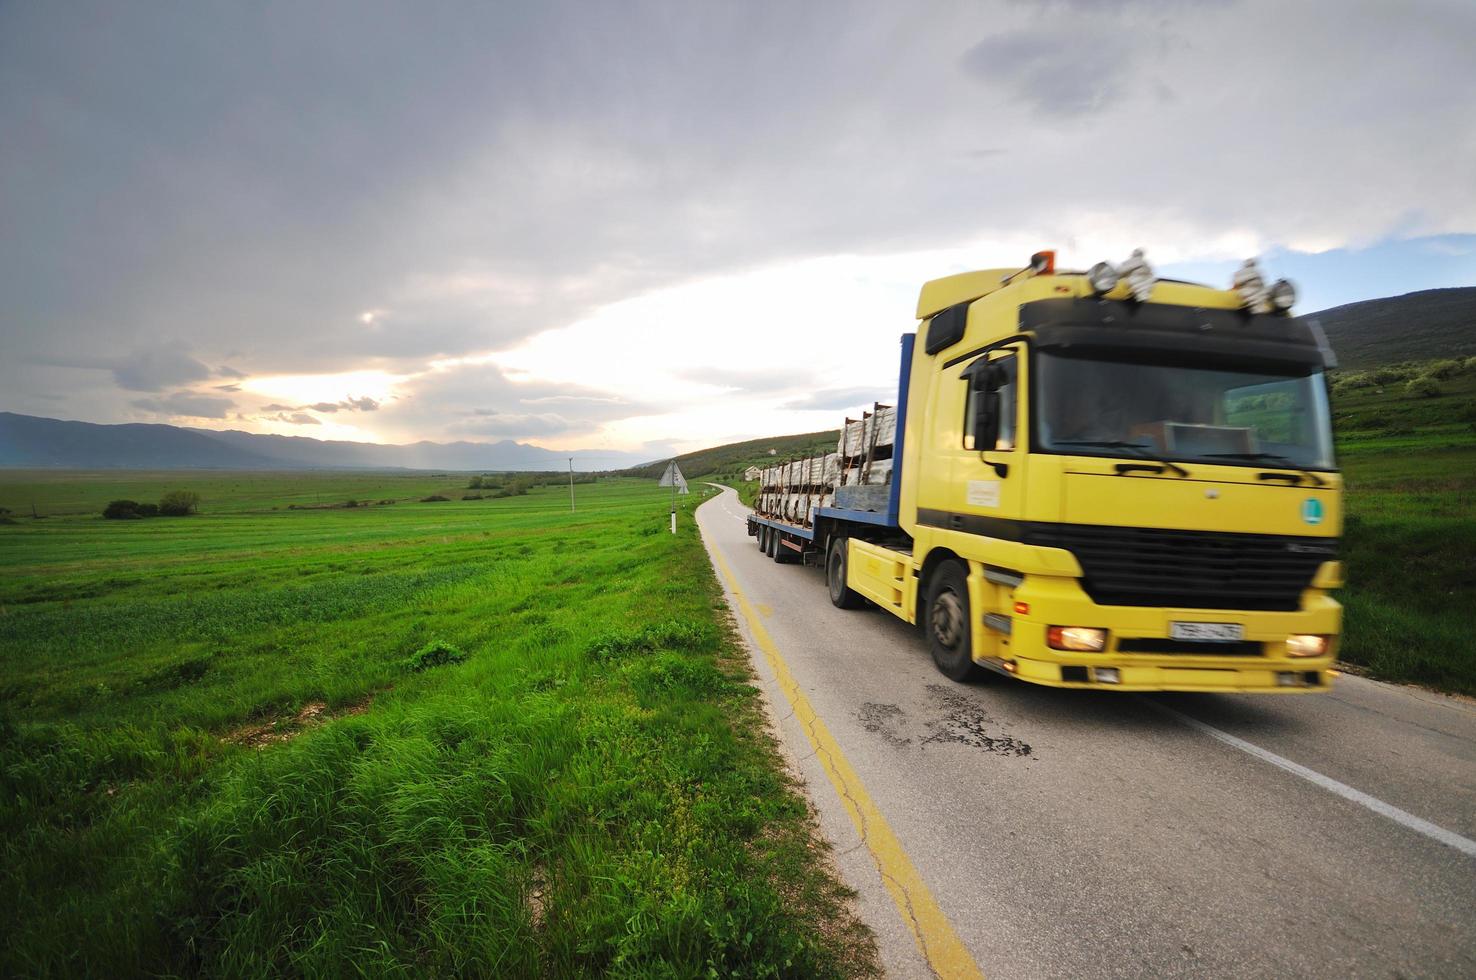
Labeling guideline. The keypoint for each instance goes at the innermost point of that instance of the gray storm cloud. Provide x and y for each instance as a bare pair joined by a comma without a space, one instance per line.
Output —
186,404
344,186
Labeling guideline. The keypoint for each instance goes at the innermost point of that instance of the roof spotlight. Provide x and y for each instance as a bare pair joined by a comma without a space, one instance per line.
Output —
1102,276
1283,295
1139,275
1251,287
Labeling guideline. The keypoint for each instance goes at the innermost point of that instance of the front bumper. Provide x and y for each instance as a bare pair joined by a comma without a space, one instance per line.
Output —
1260,663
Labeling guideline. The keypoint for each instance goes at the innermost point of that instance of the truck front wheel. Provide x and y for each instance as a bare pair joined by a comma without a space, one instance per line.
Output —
842,596
949,625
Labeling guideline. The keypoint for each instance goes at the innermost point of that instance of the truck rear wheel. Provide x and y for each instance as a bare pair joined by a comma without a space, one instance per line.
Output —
949,623
781,554
842,596
763,537
771,543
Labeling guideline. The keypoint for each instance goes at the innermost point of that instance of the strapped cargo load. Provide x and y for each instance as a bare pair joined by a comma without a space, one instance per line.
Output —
791,491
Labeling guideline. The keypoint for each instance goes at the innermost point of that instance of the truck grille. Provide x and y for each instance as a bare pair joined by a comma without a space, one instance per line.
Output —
1136,566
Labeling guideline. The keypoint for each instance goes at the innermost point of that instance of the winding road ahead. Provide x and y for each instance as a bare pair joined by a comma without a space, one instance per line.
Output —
1020,831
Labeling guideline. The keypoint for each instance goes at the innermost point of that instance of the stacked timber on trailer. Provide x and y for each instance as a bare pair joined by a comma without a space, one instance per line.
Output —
857,476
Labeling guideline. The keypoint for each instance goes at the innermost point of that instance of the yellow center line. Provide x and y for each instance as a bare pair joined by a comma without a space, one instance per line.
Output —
944,951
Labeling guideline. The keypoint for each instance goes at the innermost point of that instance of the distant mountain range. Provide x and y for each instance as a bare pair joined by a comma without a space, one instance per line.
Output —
28,441
1413,327
1416,326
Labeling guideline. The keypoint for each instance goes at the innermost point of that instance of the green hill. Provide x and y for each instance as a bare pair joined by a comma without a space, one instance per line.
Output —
1418,326
732,459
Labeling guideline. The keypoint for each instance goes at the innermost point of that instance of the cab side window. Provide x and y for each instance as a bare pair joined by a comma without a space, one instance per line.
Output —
1002,389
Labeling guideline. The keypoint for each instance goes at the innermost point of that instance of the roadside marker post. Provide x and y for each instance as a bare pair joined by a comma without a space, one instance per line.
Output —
673,478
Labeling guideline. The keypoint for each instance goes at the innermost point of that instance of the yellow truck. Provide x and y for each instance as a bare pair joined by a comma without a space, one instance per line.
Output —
1094,479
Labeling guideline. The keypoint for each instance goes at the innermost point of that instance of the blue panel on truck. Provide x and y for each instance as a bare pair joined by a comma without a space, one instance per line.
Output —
800,532
904,379
861,516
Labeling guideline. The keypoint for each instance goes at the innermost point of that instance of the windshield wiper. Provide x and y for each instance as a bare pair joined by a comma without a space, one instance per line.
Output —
1290,464
1143,451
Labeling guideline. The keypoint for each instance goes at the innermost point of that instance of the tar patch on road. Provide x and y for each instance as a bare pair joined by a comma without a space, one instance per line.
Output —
967,723
964,722
883,720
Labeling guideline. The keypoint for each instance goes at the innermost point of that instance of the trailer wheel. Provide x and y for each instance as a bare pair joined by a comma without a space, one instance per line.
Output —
772,544
842,596
949,623
763,537
781,554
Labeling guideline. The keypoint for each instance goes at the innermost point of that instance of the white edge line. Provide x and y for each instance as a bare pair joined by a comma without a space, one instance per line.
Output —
1447,837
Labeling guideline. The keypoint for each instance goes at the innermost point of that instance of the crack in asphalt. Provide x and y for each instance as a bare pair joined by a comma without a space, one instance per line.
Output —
863,826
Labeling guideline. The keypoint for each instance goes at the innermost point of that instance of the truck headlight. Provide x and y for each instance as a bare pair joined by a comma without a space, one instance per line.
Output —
1306,645
1283,295
1103,277
1085,639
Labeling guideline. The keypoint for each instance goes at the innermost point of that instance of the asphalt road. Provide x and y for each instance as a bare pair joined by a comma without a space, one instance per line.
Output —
1086,834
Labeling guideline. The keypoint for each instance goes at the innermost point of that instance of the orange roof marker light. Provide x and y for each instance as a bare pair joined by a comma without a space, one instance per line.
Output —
1042,263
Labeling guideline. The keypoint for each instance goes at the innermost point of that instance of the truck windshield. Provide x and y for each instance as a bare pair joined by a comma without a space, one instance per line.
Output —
1098,405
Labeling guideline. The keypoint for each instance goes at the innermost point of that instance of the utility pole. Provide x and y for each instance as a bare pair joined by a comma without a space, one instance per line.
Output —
673,496
571,484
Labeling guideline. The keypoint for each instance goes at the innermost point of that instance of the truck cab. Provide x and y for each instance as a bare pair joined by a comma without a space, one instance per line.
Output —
1107,485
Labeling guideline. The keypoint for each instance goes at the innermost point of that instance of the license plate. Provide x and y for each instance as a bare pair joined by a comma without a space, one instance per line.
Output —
1206,632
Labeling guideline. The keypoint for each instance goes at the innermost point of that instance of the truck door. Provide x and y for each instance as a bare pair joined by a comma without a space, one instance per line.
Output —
988,474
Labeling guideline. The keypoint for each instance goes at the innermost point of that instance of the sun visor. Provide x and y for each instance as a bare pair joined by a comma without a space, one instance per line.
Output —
1191,333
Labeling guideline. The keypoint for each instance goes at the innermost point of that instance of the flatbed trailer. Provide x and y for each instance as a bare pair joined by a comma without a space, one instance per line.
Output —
1192,552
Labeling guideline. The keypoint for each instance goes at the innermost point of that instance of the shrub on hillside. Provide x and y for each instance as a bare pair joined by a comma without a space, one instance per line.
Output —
1447,369
1422,387
1389,375
437,653
475,483
122,510
179,503
1351,382
471,496
512,490
433,499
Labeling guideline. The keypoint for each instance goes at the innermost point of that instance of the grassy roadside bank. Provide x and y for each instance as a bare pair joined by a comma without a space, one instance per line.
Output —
469,737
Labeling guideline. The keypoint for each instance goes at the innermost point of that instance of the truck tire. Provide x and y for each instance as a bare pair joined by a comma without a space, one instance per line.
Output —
949,624
842,596
781,554
771,544
763,537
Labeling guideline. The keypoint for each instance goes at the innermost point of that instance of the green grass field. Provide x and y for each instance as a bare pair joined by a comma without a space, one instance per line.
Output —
480,737
1409,544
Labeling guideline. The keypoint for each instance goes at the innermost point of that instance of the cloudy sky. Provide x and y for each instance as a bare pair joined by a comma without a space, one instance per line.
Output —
649,226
